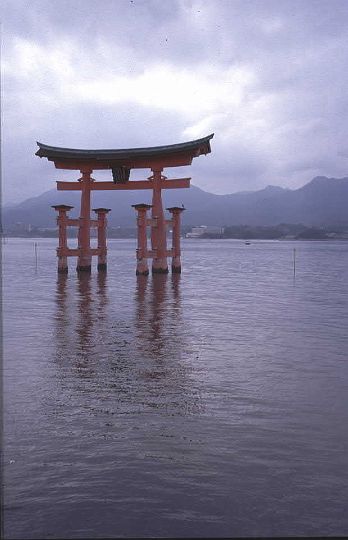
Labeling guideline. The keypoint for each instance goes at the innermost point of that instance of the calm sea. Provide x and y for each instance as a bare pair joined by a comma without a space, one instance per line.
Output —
203,405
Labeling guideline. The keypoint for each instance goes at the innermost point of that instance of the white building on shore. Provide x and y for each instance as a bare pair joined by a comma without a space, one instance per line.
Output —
197,232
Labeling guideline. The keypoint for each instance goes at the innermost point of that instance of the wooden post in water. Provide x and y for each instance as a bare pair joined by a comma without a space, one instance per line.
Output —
36,259
158,229
102,248
84,234
176,260
62,250
142,252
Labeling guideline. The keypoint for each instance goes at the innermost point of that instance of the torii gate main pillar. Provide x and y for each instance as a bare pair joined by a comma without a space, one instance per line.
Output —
158,230
84,259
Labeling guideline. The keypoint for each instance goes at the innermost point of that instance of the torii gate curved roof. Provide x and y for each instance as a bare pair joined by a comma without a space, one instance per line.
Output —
173,155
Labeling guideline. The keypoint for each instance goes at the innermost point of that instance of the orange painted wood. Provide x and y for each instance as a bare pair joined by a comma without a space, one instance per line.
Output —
84,239
70,222
67,252
75,252
142,267
151,222
154,158
158,233
152,253
176,260
94,251
102,224
174,183
177,160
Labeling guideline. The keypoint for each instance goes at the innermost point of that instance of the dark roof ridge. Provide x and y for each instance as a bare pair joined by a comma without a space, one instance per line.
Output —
51,151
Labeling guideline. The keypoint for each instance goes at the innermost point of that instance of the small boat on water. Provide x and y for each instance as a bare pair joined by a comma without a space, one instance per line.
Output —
247,243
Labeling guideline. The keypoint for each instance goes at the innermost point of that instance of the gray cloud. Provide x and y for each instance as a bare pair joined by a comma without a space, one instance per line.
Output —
268,77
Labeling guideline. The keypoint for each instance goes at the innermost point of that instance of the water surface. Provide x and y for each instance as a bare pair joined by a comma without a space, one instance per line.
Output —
203,405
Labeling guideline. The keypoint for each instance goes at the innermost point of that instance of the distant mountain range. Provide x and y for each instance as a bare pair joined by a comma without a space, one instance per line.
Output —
320,203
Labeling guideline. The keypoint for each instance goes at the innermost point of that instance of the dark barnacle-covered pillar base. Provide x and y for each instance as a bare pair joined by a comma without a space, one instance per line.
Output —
84,268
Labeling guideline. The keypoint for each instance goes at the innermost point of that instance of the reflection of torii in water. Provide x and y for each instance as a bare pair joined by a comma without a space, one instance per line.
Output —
121,162
80,314
139,361
161,338
158,315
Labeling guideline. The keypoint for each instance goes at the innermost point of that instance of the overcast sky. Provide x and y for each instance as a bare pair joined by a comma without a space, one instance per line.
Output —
269,78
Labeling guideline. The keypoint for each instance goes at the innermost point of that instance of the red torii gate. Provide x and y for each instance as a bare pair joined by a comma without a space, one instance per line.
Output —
121,161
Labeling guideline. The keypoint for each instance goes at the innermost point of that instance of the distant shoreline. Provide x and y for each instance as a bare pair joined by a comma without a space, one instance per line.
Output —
281,231
199,239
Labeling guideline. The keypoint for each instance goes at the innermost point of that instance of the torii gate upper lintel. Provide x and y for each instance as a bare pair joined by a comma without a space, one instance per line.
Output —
120,162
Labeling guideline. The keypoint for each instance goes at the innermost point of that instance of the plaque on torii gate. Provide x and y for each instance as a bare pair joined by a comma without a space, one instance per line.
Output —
120,162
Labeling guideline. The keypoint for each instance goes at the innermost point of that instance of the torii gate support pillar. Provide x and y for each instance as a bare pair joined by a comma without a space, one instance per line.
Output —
62,250
102,248
142,252
176,233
